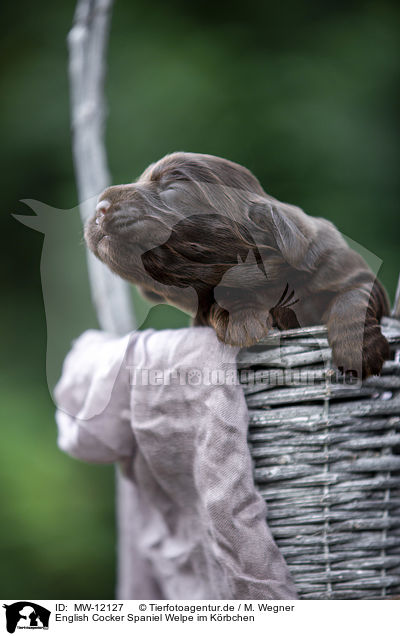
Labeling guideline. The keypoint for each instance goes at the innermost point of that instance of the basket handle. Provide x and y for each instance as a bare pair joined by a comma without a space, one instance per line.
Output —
396,305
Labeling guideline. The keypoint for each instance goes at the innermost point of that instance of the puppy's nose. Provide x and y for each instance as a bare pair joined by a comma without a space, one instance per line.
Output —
103,206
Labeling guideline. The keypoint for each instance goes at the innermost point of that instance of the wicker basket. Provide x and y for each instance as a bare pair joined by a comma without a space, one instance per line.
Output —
327,461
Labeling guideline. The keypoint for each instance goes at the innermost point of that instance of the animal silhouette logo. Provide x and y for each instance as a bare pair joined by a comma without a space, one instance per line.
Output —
26,615
66,292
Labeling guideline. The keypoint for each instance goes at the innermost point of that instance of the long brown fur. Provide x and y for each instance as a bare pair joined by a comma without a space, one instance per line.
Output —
200,232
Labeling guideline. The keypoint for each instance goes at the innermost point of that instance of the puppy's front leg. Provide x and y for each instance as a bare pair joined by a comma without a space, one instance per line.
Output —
354,331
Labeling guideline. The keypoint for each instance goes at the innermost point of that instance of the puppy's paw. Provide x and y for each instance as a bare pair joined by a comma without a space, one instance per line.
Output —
359,354
241,328
375,350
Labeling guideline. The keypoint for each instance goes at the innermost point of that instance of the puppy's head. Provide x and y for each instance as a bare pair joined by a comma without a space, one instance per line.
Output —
175,188
197,222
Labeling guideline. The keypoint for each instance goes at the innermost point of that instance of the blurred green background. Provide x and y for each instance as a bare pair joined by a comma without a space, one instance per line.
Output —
305,94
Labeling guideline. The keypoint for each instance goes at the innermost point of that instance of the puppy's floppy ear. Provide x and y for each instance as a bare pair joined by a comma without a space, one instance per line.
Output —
292,230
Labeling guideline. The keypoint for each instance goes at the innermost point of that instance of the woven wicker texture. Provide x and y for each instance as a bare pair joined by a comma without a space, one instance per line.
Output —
327,460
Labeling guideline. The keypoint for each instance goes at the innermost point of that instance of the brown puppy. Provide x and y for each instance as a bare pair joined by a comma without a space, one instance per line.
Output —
200,232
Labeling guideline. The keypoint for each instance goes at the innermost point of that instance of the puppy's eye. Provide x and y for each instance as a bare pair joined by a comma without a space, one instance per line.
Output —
170,196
